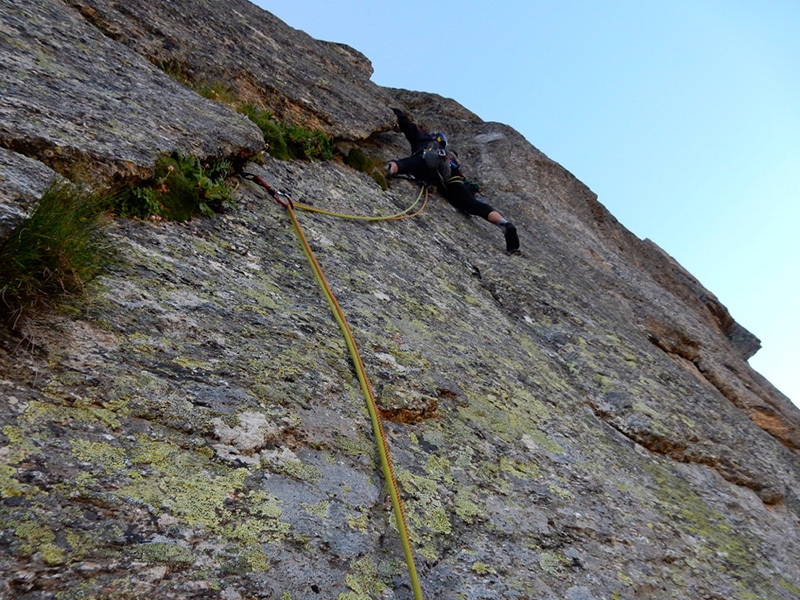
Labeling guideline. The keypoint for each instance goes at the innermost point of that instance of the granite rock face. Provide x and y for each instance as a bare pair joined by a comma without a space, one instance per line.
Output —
237,45
77,101
578,421
22,182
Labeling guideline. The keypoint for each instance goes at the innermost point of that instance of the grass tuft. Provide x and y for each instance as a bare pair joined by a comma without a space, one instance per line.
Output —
218,92
373,167
181,187
285,141
288,141
54,252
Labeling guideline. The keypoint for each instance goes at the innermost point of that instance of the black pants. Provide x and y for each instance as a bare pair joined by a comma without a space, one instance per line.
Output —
460,196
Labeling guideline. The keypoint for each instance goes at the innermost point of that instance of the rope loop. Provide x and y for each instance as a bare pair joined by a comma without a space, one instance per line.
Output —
277,195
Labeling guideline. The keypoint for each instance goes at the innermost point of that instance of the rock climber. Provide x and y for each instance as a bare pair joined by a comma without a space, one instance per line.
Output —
433,162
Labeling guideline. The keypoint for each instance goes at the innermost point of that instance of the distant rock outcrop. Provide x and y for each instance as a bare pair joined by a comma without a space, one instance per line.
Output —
578,421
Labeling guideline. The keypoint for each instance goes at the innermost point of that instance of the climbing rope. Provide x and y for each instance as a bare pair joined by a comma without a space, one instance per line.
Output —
366,388
404,214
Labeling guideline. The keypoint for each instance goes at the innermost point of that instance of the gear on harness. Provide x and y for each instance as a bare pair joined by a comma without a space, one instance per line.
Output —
437,158
473,187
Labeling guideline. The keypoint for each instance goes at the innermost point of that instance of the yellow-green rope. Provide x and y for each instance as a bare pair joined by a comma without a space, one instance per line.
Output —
366,388
405,214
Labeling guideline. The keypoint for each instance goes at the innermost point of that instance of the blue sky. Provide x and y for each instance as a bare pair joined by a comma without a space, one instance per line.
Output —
682,116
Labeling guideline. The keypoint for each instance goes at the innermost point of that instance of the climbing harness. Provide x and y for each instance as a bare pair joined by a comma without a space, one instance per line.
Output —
383,448
456,179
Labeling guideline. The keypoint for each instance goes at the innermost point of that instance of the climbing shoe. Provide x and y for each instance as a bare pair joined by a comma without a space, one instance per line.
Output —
512,239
